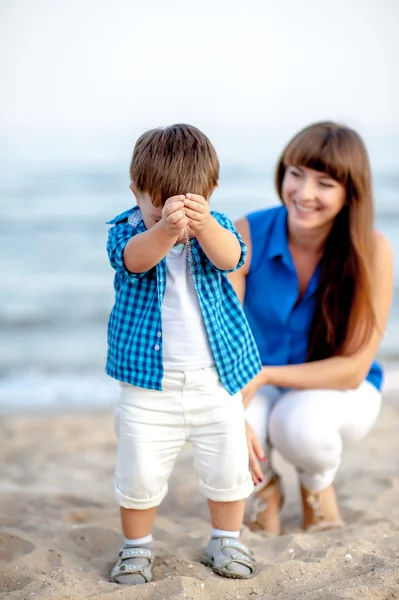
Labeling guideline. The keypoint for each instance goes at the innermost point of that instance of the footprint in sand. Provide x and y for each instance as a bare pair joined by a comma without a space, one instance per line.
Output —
11,581
80,510
78,502
12,547
92,542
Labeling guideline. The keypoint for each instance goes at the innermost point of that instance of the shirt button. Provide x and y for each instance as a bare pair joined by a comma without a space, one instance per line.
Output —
157,347
159,333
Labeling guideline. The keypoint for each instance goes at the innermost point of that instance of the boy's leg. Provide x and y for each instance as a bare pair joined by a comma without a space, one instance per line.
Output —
227,516
137,523
224,552
149,440
137,528
221,459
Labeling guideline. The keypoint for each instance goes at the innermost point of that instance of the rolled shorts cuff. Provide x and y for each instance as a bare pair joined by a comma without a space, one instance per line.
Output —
140,504
231,495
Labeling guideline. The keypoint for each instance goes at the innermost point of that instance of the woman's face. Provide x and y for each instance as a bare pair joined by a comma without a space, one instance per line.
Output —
313,199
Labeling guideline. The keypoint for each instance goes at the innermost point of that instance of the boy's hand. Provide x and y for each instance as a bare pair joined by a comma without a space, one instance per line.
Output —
173,217
198,212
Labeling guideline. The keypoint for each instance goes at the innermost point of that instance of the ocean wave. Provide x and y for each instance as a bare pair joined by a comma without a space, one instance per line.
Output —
57,391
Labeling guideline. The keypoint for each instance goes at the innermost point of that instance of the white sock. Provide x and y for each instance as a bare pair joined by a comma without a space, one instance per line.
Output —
139,541
223,533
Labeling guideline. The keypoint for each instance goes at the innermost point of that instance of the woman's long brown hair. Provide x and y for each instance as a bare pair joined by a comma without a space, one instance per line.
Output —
344,303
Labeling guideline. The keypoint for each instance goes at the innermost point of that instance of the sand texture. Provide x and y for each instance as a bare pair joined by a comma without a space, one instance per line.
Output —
60,523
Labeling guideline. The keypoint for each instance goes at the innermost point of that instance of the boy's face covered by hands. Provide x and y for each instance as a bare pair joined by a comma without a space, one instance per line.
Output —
151,214
184,212
190,212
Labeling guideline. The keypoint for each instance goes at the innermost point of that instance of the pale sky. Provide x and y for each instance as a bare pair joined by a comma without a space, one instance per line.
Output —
83,78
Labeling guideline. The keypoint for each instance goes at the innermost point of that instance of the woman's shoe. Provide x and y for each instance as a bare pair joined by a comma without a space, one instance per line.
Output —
264,508
320,510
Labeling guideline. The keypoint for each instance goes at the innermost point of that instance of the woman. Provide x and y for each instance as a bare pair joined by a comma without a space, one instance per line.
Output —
316,288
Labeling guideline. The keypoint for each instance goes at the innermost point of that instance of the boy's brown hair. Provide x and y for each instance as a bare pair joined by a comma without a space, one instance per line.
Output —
174,160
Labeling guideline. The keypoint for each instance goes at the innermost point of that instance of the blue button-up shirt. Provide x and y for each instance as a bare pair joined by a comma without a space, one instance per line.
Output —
135,325
280,324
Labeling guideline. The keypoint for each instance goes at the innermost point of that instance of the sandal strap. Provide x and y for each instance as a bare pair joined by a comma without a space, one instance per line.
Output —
221,561
129,552
133,552
132,569
229,543
121,570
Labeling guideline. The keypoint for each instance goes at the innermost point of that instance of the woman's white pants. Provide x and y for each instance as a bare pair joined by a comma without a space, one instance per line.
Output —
310,428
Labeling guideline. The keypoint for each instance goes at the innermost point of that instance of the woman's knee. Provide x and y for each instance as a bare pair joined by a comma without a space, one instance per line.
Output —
305,438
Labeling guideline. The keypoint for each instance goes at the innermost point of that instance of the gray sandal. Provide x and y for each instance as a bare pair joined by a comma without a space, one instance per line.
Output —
222,553
142,568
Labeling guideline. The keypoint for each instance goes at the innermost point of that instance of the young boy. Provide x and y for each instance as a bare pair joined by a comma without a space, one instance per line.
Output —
181,348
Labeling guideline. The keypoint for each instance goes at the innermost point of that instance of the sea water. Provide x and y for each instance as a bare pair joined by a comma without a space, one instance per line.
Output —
56,284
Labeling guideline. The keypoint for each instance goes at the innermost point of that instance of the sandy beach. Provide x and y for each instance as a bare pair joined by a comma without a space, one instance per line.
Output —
60,525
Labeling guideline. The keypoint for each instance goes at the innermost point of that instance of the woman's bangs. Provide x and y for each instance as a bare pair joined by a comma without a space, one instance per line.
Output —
319,151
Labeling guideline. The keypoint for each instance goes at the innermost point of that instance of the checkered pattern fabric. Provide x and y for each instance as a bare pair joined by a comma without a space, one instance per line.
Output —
135,324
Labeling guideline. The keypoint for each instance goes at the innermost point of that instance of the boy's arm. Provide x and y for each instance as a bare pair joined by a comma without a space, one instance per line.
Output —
133,255
220,245
147,249
220,242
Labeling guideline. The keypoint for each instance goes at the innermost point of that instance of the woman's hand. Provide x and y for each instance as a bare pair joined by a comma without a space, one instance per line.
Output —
256,454
253,386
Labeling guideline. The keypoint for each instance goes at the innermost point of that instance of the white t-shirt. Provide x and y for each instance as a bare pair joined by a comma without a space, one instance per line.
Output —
185,341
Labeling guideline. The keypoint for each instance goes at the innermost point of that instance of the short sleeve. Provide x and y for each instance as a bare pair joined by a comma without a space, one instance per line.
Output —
227,224
118,237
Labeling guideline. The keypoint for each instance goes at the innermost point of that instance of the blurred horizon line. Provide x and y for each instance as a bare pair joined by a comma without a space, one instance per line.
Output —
240,144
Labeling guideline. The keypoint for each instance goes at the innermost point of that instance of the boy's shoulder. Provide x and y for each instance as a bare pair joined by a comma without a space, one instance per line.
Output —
132,216
218,214
222,219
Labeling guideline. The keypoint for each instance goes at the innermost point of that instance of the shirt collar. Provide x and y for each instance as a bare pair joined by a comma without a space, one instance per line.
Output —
278,239
278,248
132,215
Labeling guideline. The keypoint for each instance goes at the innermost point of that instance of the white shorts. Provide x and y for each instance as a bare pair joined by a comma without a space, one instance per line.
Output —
152,427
